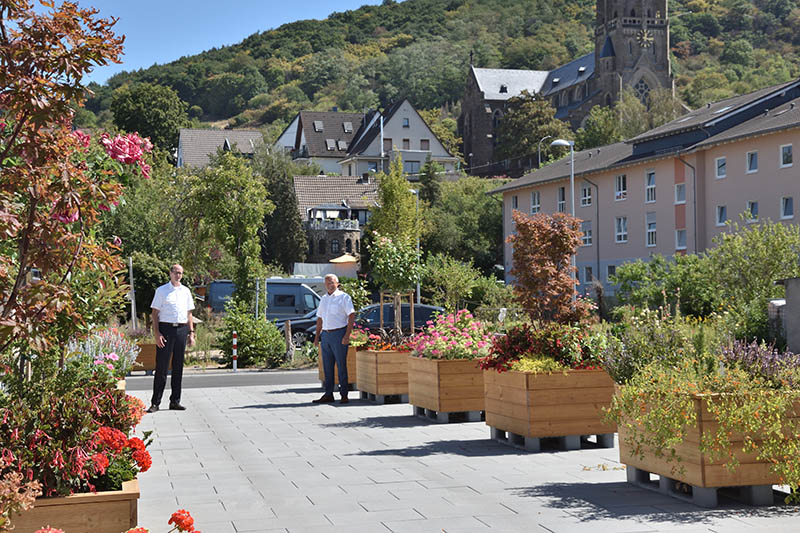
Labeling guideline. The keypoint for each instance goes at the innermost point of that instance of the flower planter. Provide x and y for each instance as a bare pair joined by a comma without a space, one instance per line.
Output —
445,385
560,404
352,372
146,360
383,373
696,468
99,512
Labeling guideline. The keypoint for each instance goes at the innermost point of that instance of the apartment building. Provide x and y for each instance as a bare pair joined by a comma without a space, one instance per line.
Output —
672,189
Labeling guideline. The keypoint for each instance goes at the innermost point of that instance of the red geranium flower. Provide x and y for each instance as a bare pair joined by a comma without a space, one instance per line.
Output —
183,521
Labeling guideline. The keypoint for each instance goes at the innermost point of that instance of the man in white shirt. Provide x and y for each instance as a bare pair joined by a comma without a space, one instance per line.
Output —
172,324
335,318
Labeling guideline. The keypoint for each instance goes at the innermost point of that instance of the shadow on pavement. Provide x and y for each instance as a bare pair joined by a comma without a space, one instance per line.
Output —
467,448
619,500
298,390
395,421
276,405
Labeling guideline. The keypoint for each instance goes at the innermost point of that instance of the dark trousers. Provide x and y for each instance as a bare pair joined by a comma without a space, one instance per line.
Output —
334,352
174,348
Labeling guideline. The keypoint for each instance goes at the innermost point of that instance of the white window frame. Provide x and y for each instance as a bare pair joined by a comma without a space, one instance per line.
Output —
650,230
536,202
586,239
621,230
649,190
588,274
747,158
609,268
514,202
561,200
784,216
716,167
586,196
677,187
780,156
678,245
620,187
721,209
748,206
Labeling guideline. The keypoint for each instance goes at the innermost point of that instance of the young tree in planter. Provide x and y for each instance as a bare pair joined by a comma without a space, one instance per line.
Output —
395,268
543,246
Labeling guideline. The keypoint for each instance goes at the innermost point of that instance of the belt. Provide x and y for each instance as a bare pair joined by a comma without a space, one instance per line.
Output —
174,324
337,329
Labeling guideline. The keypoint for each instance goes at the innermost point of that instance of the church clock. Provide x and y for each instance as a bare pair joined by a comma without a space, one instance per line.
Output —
645,38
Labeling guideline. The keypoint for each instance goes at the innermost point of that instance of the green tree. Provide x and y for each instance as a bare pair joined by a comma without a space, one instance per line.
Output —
602,128
149,272
738,52
396,213
430,182
445,129
282,236
230,204
632,114
529,118
154,111
449,281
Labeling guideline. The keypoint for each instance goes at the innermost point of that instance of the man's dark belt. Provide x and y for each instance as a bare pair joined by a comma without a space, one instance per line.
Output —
337,329
173,324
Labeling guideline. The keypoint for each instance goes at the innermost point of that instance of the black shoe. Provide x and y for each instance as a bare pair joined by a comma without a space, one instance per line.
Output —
344,400
176,407
153,409
326,398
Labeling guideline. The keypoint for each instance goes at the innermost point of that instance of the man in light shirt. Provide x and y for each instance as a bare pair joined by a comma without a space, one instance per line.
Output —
172,324
335,318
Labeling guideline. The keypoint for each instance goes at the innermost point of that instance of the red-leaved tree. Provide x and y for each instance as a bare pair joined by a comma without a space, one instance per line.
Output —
544,284
54,185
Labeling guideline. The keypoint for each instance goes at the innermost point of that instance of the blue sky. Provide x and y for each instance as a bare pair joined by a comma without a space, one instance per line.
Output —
164,30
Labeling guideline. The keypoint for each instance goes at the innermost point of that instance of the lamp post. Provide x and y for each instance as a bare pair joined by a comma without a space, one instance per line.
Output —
540,149
415,192
571,144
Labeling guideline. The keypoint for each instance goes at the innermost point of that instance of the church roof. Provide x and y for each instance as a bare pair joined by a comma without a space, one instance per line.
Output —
492,80
608,49
576,71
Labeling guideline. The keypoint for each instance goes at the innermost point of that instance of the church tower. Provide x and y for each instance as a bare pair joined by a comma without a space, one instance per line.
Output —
632,48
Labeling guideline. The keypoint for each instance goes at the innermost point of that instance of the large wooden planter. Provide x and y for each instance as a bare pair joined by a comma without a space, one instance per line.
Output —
146,360
99,512
352,372
383,373
697,468
548,405
445,385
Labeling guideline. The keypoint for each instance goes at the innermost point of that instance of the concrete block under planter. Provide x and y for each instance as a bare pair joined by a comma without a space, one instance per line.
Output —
352,371
99,512
559,404
382,372
445,385
696,468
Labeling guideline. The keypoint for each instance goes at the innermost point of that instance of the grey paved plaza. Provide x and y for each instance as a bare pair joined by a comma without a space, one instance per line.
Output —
263,458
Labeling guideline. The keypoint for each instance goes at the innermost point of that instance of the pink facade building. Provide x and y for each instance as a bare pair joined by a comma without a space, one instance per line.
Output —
672,189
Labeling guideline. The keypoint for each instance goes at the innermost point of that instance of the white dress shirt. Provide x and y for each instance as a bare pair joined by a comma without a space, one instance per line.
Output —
173,303
334,309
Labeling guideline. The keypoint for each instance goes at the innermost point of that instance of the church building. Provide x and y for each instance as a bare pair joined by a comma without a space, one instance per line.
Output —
631,50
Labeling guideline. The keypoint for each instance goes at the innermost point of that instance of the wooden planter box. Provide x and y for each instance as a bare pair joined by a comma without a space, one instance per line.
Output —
697,468
548,405
383,373
445,385
146,359
352,372
99,512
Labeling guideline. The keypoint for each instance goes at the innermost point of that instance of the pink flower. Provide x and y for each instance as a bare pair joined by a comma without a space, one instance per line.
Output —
117,241
110,366
49,529
113,356
82,138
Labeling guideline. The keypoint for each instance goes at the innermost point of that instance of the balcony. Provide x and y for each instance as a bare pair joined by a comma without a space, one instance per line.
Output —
335,224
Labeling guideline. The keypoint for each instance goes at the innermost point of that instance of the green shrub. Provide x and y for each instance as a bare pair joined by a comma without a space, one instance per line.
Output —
259,341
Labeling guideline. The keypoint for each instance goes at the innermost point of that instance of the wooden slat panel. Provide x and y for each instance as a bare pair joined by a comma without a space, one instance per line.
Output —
600,395
352,372
506,394
571,379
460,366
560,428
507,423
691,474
567,411
508,379
455,405
507,409
384,367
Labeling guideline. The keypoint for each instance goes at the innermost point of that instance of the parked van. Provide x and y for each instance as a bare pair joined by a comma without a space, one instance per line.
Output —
286,297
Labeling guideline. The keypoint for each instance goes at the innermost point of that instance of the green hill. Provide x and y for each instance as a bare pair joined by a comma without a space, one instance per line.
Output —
420,49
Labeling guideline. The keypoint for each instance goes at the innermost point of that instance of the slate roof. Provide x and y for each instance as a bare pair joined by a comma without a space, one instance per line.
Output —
198,144
586,162
314,191
786,116
491,79
569,74
709,112
332,130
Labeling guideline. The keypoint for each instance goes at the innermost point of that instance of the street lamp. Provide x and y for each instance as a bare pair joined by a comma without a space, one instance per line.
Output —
571,144
415,192
540,149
